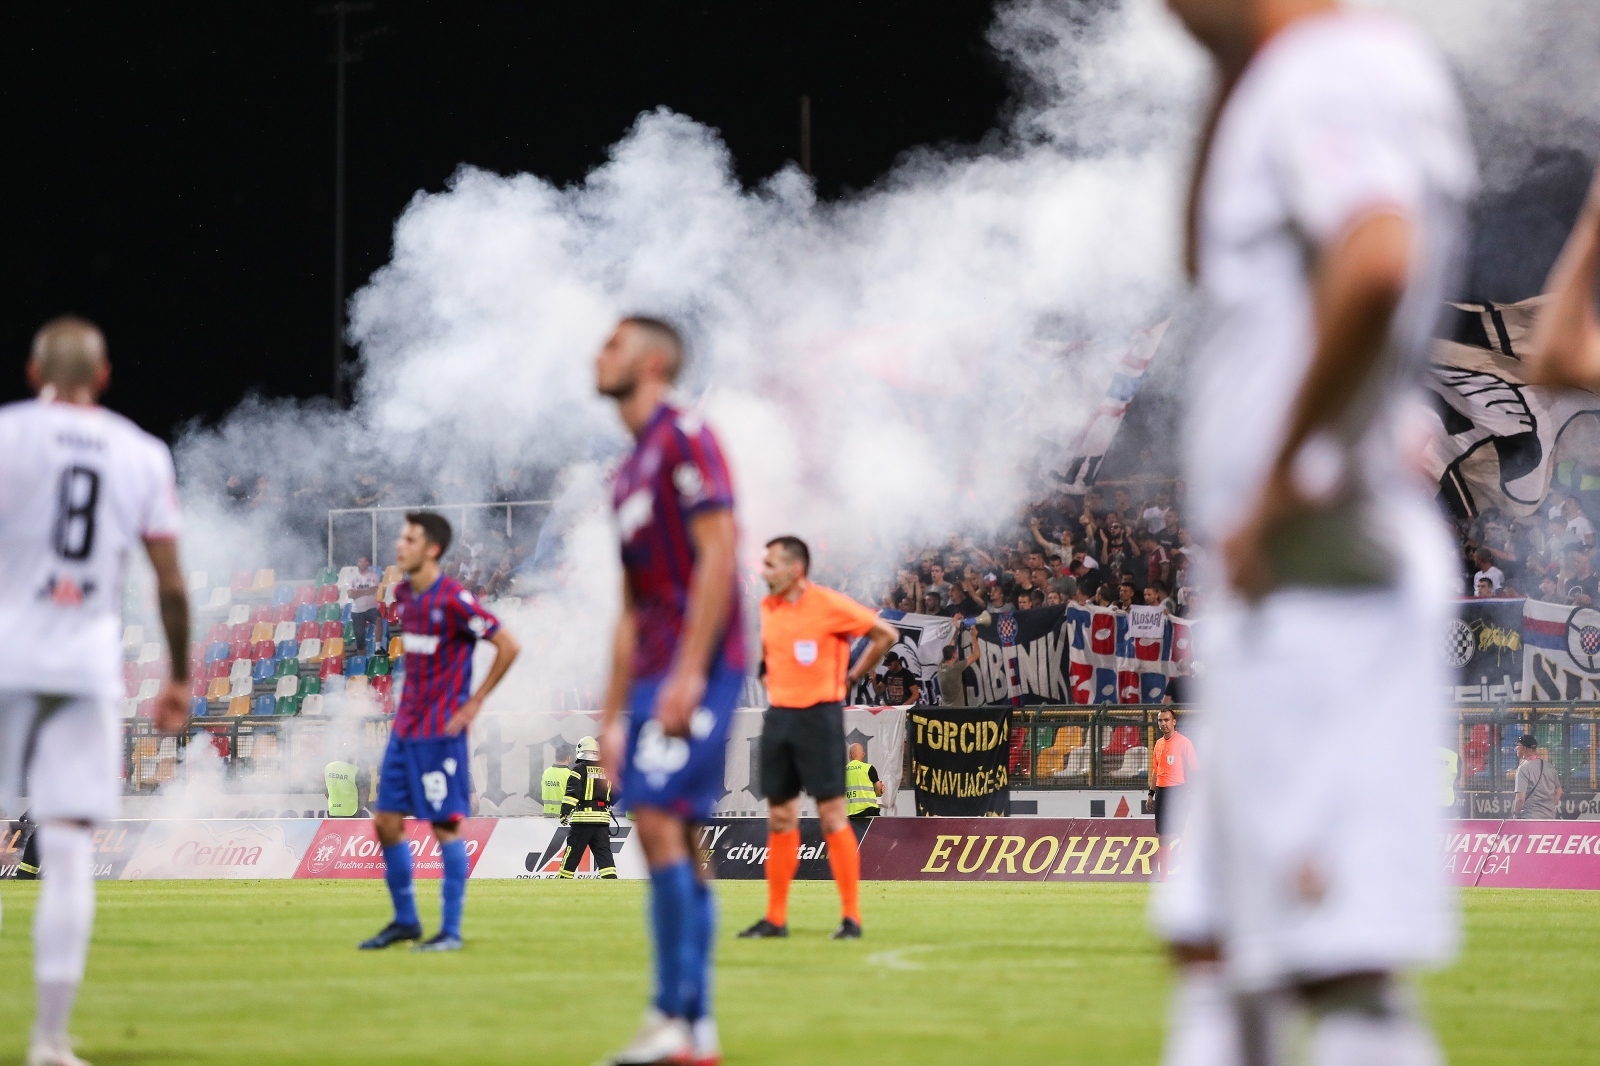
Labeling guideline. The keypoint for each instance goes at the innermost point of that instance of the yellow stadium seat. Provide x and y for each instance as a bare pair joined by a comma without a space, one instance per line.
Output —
397,647
262,631
239,706
265,579
333,648
218,689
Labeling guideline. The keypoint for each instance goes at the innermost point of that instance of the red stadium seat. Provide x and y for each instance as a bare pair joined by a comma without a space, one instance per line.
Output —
1122,738
147,709
261,612
332,665
329,630
156,670
243,579
216,632
263,649
197,684
197,661
239,632
304,594
239,649
284,613
328,594
130,671
217,668
307,631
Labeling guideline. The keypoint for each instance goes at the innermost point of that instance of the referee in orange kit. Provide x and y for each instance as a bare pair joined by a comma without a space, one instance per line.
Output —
806,632
1171,762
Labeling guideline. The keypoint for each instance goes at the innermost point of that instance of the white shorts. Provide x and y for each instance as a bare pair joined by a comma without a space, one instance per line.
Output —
1312,848
63,753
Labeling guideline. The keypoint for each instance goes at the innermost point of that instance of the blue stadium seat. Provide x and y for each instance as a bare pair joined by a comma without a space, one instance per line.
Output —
217,649
198,707
344,615
263,705
288,649
333,685
356,666
306,612
263,670
283,596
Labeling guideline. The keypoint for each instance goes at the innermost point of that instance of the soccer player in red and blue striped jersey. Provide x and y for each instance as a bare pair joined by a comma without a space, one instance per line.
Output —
427,766
677,667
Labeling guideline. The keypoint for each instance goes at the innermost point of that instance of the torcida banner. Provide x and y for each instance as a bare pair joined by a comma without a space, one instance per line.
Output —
958,759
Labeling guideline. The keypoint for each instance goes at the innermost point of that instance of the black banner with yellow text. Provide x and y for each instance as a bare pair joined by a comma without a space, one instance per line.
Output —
958,760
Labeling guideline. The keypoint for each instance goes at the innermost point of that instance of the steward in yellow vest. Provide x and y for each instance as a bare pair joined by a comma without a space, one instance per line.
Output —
553,785
344,795
862,788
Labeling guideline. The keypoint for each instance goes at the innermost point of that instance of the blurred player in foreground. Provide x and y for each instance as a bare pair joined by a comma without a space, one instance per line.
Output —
427,768
80,488
1325,220
676,670
806,632
1566,339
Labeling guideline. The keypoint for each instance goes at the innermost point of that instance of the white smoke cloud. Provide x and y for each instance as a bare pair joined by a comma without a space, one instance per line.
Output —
883,371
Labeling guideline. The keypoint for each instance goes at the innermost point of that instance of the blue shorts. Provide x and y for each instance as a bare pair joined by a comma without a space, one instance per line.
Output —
427,777
681,776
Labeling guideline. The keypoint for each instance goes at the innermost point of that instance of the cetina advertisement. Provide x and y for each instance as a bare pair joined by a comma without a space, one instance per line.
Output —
1487,853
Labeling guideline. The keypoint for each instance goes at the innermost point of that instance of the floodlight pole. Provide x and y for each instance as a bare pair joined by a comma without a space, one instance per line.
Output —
342,57
805,135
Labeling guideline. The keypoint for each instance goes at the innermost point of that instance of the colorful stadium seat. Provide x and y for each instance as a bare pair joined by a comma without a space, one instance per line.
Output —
217,690
149,651
239,631
347,575
260,613
220,599
239,614
327,576
313,683
283,631
214,668
217,632
328,595
306,612
397,647
329,612
263,670
304,594
305,631
239,706
240,685
263,649
198,682
283,596
199,707
333,685
329,629
239,649
282,613
243,579
261,631
333,648
348,631
378,666
286,667
287,686
332,666
356,685
311,703
381,687
288,649
311,650
155,670
262,706
264,581
356,665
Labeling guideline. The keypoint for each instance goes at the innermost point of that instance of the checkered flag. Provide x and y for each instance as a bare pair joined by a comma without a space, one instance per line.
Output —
1007,627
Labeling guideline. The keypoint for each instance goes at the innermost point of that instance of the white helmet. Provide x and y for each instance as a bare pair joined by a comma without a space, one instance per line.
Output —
589,749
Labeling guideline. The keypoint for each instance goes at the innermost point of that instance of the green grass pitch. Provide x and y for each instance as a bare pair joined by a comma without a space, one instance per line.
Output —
266,972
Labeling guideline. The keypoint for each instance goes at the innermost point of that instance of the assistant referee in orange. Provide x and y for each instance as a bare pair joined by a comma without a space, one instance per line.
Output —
806,631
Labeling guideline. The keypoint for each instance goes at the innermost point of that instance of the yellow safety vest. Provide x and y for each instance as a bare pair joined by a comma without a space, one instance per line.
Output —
859,792
1450,769
344,800
551,788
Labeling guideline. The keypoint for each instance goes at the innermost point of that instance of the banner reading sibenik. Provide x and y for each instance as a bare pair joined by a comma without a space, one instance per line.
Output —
958,760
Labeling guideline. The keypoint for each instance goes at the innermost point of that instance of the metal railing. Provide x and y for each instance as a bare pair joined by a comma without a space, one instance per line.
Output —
446,509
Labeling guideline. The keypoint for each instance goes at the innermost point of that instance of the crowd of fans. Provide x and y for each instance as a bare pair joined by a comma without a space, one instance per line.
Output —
1113,546
1548,555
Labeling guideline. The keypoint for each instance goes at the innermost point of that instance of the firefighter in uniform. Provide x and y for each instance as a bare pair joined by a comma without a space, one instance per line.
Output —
553,785
861,786
587,808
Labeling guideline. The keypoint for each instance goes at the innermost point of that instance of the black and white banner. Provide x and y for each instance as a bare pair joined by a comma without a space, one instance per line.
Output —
958,759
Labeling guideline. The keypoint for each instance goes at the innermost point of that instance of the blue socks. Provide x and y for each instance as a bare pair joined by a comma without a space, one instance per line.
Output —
683,917
453,891
698,946
397,872
671,891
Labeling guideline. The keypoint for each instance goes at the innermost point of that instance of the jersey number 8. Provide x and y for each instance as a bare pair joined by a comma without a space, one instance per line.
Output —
76,499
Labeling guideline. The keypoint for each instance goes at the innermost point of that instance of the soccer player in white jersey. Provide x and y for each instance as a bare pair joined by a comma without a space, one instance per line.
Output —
1324,220
80,488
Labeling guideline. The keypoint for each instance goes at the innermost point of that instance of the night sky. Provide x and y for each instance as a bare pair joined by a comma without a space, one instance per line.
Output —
170,172
170,166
